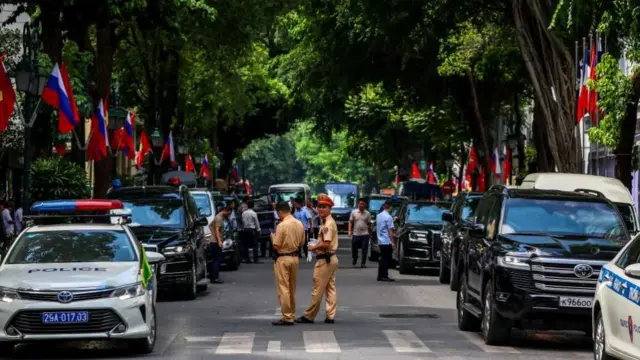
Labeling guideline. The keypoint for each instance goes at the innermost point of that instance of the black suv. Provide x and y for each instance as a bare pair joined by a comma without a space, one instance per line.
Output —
532,261
419,226
165,219
456,226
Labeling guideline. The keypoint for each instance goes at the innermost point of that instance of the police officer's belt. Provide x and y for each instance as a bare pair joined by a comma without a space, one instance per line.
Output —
294,253
326,257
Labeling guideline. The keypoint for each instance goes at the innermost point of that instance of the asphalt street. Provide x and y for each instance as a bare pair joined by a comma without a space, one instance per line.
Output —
412,318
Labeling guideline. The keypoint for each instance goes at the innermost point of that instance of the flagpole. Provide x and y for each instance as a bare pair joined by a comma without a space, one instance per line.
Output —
584,121
577,129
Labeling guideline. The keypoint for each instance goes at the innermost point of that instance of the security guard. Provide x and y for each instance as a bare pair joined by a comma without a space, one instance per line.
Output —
286,241
324,272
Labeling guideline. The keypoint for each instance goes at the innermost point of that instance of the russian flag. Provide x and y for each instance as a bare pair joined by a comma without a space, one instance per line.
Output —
128,141
168,152
204,169
59,94
99,141
431,176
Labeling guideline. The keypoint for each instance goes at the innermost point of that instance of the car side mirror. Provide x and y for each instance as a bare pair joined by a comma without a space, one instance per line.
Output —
202,221
633,271
478,230
154,257
447,216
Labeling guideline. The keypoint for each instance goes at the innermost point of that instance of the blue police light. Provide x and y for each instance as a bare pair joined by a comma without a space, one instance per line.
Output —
77,205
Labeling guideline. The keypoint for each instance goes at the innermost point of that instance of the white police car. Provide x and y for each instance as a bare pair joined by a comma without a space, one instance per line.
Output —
616,306
75,281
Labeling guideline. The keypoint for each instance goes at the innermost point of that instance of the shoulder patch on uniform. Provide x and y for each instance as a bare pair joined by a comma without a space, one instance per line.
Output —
325,230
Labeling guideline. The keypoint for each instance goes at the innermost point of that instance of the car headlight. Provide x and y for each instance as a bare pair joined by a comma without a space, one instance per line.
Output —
8,295
172,250
227,244
514,261
128,292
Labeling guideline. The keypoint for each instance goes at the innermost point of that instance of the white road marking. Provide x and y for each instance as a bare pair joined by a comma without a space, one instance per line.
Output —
320,342
273,346
192,339
405,341
236,343
477,341
163,346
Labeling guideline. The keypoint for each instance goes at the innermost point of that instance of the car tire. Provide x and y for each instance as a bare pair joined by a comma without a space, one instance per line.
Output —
496,330
454,278
402,265
146,345
191,291
466,320
443,273
600,341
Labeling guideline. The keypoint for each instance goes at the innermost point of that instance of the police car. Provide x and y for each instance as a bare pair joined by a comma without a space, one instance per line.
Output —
73,275
616,306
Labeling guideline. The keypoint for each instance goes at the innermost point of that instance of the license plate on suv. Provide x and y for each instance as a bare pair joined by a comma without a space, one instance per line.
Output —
575,302
65,317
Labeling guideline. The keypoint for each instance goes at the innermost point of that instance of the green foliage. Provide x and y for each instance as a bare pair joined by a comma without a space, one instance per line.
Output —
56,178
615,90
11,45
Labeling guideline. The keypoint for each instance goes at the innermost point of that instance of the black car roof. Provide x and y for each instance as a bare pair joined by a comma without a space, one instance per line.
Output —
143,192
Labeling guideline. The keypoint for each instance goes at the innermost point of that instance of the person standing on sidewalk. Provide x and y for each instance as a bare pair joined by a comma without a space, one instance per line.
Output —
386,240
289,236
324,272
215,248
360,232
250,231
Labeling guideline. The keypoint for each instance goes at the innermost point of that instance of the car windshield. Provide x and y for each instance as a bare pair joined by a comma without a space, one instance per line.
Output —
342,195
626,211
203,203
286,195
431,212
563,217
469,209
375,205
67,246
155,212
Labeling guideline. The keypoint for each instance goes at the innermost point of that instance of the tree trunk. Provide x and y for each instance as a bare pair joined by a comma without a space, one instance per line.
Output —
545,160
480,129
551,70
624,149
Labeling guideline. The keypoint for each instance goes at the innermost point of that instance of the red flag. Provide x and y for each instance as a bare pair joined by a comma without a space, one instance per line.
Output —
60,149
189,166
507,164
7,96
144,148
415,172
473,160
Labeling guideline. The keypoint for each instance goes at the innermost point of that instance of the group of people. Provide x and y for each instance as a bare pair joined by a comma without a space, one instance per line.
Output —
11,224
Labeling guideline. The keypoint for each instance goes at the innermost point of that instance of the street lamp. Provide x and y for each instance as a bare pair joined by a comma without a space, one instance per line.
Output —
31,80
182,149
116,121
449,163
156,138
197,158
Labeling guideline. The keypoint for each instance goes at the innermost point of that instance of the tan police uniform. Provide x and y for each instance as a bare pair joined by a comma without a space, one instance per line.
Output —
289,236
324,272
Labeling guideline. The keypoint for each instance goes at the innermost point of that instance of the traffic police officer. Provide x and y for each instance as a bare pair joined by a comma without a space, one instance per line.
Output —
324,272
289,236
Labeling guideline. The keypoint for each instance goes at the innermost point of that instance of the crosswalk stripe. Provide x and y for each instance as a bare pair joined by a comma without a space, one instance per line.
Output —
405,341
320,342
273,346
477,341
236,343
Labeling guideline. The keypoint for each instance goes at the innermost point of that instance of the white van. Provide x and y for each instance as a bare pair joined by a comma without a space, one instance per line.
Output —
611,188
285,192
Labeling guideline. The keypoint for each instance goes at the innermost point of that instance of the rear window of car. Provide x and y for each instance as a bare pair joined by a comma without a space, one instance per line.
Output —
66,246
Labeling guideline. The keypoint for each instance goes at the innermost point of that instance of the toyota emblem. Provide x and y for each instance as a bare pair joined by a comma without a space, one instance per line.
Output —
583,271
65,296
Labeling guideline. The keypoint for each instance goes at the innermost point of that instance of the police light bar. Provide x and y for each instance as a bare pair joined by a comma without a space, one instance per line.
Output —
77,205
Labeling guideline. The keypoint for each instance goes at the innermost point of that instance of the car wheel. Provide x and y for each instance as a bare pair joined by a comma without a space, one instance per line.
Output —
443,275
600,341
402,265
466,320
496,330
146,345
191,292
454,278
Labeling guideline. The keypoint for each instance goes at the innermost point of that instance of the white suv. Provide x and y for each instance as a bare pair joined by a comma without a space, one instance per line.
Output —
76,281
616,306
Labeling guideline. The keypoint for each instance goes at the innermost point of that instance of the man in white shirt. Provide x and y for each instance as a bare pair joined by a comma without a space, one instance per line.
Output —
250,231
360,232
386,240
7,222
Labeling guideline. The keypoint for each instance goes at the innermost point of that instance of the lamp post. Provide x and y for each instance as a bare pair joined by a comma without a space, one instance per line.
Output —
512,143
30,79
449,162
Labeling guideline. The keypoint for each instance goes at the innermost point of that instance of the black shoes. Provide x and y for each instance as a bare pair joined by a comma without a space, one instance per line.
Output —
386,279
303,320
354,262
217,281
282,323
363,266
329,321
